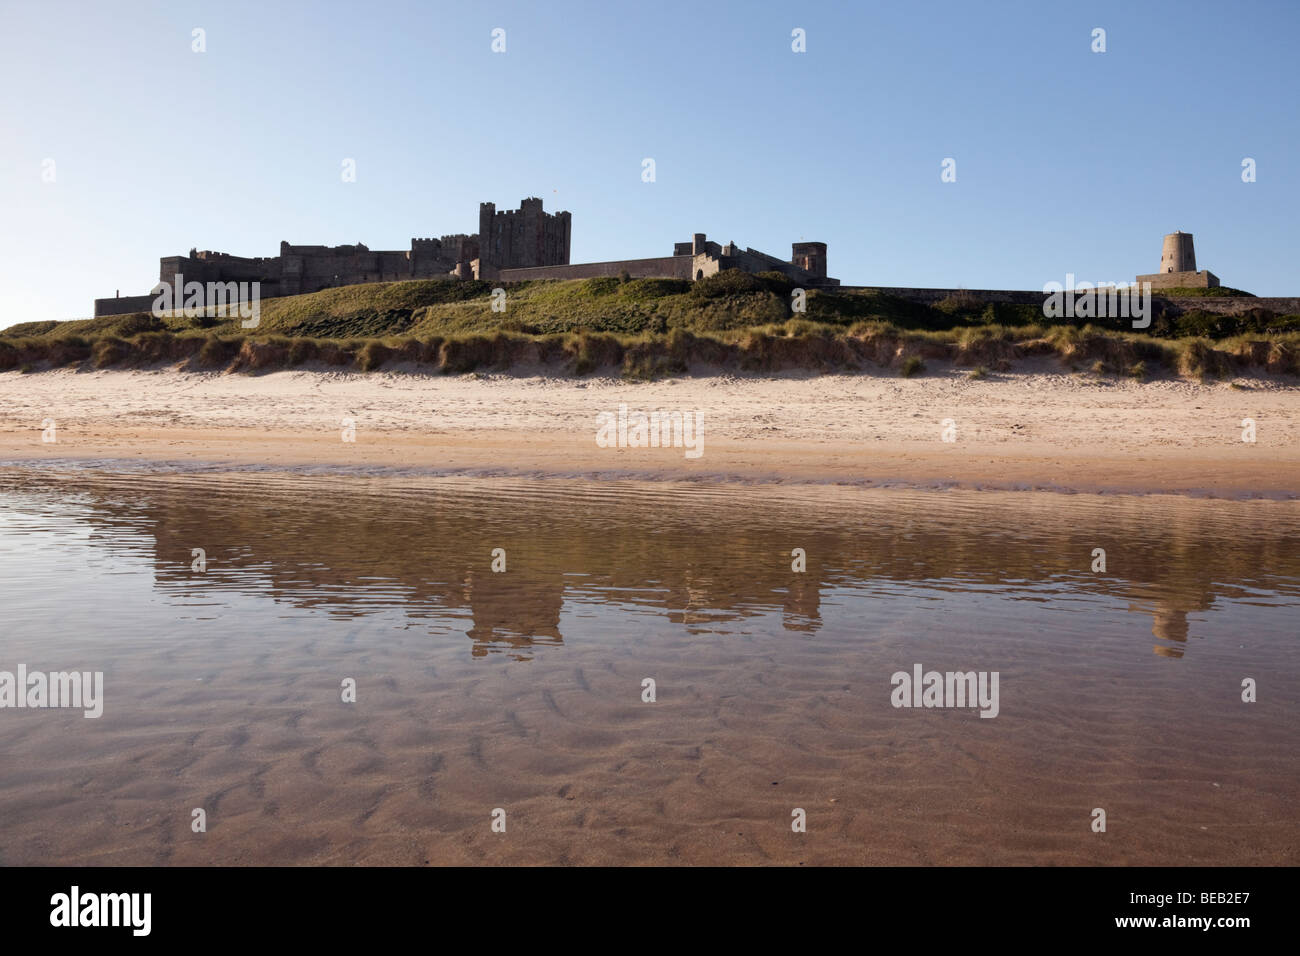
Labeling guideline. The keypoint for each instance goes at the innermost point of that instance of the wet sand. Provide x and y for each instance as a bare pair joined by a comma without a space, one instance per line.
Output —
709,774
523,690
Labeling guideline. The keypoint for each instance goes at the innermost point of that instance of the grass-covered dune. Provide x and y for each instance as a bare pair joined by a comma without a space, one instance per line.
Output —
651,327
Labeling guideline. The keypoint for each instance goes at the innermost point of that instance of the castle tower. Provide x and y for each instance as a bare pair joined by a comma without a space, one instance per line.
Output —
524,237
1178,253
488,243
809,256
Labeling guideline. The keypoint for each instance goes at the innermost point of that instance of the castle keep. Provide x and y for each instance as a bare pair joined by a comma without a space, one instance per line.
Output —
520,238
510,246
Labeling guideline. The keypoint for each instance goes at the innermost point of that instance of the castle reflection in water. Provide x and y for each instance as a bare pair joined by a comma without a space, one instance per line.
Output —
697,558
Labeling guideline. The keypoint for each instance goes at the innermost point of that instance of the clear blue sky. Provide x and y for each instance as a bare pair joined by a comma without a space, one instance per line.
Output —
1067,160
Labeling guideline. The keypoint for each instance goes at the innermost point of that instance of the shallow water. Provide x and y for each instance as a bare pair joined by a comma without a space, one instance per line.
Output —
522,690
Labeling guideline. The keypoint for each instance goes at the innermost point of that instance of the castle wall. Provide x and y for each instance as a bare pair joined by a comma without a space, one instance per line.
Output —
1224,305
1205,279
318,272
807,265
705,264
1231,304
677,267
753,261
218,267
930,296
123,305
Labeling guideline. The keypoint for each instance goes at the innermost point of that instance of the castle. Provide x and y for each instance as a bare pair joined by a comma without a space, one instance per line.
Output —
515,245
510,246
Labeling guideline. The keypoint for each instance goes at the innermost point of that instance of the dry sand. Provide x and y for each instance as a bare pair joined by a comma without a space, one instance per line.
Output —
1036,429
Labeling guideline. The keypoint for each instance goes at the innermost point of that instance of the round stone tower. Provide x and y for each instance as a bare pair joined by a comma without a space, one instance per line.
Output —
1178,254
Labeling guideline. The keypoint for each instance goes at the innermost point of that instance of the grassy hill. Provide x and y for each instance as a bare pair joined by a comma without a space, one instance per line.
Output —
1198,292
648,326
731,300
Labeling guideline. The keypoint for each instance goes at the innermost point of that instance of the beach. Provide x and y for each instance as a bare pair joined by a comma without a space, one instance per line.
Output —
1037,429
348,524
523,691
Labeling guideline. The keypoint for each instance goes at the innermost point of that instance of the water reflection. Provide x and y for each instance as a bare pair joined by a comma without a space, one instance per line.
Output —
708,560
513,611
